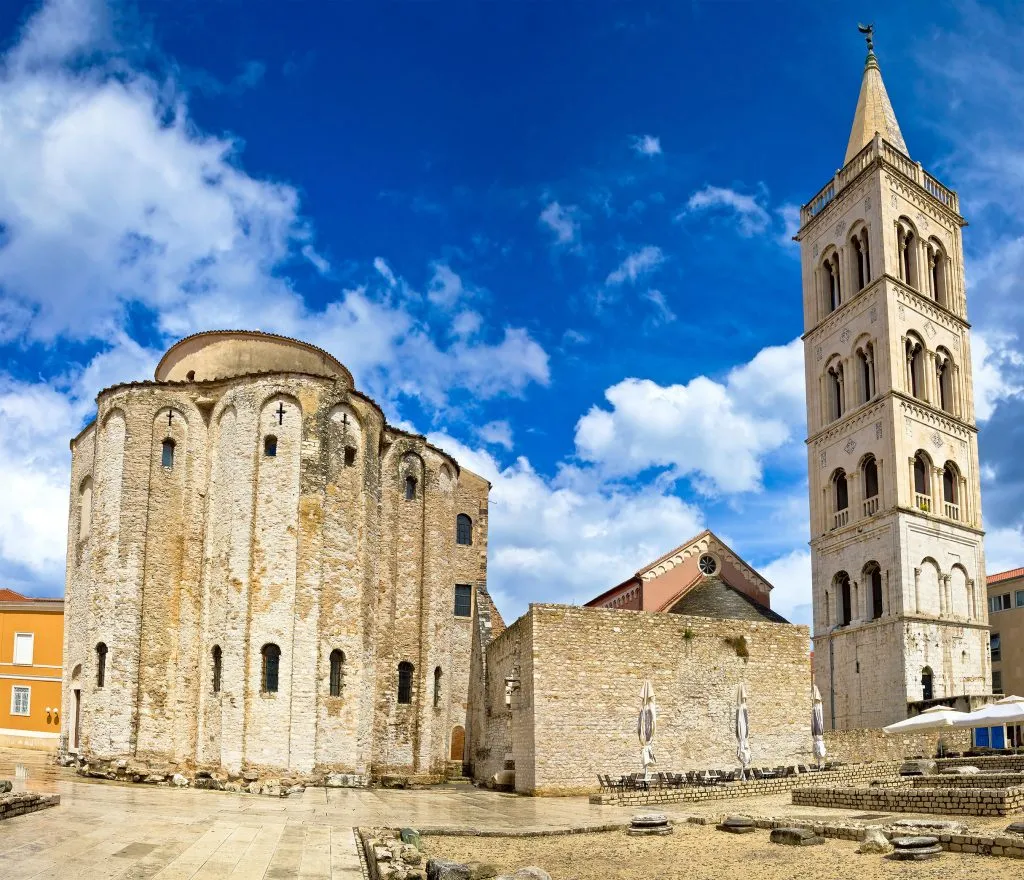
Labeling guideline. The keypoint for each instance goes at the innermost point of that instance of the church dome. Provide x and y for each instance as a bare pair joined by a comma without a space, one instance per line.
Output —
223,354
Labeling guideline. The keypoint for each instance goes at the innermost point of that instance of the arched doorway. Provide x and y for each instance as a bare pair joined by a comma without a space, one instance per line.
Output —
458,743
926,683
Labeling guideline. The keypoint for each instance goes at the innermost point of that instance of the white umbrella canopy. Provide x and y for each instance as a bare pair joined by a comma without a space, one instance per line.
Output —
934,718
742,729
817,725
646,727
1008,710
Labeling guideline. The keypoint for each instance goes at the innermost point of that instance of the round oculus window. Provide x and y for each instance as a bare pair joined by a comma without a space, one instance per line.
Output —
707,564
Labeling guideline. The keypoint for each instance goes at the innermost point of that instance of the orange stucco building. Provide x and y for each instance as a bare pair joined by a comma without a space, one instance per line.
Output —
31,645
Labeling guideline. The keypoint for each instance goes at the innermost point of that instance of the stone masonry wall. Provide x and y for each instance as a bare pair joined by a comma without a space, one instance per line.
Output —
947,800
871,744
313,549
582,670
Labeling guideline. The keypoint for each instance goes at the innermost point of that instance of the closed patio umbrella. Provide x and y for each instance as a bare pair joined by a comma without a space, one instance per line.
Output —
646,727
742,729
818,726
934,718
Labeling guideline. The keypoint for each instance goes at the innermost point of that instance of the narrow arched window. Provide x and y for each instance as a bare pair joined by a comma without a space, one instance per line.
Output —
908,255
915,368
405,670
866,361
101,665
937,273
921,483
337,672
944,380
859,260
216,657
835,390
350,456
845,599
167,453
832,292
410,488
270,446
950,491
926,683
463,529
271,655
870,477
873,575
437,687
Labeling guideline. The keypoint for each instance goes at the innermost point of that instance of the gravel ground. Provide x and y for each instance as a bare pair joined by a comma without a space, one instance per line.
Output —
696,852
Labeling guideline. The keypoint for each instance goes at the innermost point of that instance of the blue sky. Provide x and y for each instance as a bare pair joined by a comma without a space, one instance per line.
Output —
553,236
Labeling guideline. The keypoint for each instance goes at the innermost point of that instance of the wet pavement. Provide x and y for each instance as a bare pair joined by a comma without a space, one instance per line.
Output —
105,829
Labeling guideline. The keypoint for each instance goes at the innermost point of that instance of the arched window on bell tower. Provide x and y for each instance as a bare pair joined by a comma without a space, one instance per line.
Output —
937,268
831,283
915,366
869,475
866,371
840,499
944,380
908,244
860,262
834,391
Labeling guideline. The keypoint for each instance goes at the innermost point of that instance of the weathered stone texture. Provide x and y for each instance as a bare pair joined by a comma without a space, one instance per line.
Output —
312,549
581,671
870,744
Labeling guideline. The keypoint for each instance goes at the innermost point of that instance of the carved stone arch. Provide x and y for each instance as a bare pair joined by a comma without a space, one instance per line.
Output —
445,479
345,439
961,593
112,413
930,592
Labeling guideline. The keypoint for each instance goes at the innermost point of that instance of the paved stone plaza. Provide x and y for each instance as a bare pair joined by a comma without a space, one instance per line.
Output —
106,830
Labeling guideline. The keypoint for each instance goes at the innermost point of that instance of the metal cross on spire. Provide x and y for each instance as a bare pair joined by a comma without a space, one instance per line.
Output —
869,34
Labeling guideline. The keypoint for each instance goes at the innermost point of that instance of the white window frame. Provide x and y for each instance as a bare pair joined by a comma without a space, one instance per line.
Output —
28,700
31,649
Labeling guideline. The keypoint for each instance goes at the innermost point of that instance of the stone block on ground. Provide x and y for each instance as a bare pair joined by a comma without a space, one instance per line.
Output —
916,849
961,771
1015,828
875,842
737,825
443,869
482,870
531,872
795,837
5,786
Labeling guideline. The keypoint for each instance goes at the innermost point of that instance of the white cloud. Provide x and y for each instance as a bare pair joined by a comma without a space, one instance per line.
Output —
497,433
638,263
715,433
445,287
1004,549
752,218
994,357
790,575
647,145
663,314
563,221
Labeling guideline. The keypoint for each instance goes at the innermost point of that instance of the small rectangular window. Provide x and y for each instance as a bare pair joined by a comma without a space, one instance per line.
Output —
20,700
997,681
1020,598
23,648
1006,602
996,648
463,600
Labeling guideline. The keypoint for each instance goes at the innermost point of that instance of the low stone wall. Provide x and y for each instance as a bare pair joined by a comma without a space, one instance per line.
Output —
870,744
977,780
12,805
985,763
909,799
842,776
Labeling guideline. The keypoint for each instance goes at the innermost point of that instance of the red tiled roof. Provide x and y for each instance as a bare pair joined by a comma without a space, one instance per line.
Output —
10,596
1005,575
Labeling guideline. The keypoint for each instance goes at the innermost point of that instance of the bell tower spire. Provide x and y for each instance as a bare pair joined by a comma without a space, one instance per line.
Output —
897,553
874,114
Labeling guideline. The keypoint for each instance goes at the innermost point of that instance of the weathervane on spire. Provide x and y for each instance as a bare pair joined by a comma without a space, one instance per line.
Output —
869,31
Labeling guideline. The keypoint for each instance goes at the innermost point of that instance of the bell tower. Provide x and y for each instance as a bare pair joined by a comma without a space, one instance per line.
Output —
900,612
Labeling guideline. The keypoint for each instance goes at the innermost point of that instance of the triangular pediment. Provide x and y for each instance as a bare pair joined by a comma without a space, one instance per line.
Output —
707,542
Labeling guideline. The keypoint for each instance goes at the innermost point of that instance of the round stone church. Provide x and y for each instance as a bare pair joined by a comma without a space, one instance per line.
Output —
265,576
